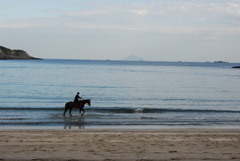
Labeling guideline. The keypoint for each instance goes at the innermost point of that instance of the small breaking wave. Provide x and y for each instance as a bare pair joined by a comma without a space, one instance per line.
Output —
128,110
12,119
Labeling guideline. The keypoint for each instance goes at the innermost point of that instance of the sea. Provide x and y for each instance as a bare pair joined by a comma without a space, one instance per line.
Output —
123,94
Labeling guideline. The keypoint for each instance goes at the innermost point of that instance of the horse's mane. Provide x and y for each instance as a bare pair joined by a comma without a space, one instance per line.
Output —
85,100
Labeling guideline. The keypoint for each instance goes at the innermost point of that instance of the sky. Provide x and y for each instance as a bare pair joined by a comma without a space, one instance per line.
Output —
154,30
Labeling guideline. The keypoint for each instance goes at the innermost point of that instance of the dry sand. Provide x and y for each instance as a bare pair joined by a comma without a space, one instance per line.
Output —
192,145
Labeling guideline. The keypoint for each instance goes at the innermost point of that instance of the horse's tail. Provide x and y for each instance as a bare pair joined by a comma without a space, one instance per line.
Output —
65,110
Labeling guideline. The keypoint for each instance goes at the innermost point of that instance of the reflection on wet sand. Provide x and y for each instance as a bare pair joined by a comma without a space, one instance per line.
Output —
74,122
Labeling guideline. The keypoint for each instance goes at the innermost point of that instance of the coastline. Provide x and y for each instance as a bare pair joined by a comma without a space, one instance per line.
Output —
120,144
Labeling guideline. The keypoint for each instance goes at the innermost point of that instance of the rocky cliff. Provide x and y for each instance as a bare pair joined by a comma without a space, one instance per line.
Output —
6,53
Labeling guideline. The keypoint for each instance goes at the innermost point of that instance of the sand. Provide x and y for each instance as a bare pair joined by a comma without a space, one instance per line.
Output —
191,145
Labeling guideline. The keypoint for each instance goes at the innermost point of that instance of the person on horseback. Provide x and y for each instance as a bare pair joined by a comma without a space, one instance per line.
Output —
76,100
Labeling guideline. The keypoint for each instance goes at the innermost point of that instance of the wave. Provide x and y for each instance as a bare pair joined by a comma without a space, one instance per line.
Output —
128,110
12,119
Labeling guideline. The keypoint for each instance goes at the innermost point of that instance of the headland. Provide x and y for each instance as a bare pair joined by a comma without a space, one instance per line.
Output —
6,54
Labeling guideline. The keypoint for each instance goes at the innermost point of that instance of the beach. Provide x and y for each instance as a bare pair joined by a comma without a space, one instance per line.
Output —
83,144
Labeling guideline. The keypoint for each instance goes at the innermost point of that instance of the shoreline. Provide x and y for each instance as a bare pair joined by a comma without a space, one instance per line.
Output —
120,144
185,130
116,127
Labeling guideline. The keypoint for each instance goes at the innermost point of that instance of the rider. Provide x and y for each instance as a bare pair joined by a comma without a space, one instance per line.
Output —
76,99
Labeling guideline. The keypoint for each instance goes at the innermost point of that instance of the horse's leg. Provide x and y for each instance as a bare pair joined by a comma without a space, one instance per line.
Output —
64,112
70,111
83,111
80,110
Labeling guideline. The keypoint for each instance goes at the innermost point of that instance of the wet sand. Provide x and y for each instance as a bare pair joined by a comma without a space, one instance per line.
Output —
191,145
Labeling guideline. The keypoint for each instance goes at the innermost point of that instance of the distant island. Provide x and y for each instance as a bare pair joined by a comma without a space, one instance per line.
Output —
6,54
220,62
133,58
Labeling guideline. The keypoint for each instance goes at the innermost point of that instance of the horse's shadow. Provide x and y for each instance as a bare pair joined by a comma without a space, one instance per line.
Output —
74,122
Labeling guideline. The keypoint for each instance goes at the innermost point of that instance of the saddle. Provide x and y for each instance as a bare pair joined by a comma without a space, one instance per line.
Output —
77,106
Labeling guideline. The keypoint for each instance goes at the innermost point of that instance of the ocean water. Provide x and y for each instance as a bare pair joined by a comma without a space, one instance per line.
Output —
124,94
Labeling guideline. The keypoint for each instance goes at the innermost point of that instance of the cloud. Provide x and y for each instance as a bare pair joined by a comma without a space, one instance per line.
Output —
228,9
175,17
140,12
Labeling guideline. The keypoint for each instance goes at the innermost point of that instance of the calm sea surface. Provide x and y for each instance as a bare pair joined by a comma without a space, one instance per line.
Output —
123,94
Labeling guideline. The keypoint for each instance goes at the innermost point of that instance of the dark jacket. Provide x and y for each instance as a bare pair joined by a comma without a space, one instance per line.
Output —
76,98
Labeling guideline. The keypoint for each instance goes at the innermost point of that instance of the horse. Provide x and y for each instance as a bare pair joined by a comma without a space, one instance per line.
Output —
70,105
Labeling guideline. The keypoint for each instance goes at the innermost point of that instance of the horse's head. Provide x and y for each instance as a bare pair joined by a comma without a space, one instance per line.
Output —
89,102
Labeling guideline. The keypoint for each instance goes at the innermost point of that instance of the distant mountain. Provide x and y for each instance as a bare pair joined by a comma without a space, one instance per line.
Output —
6,53
133,58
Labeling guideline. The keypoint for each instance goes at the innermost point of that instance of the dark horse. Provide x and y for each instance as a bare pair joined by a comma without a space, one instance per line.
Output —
70,105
